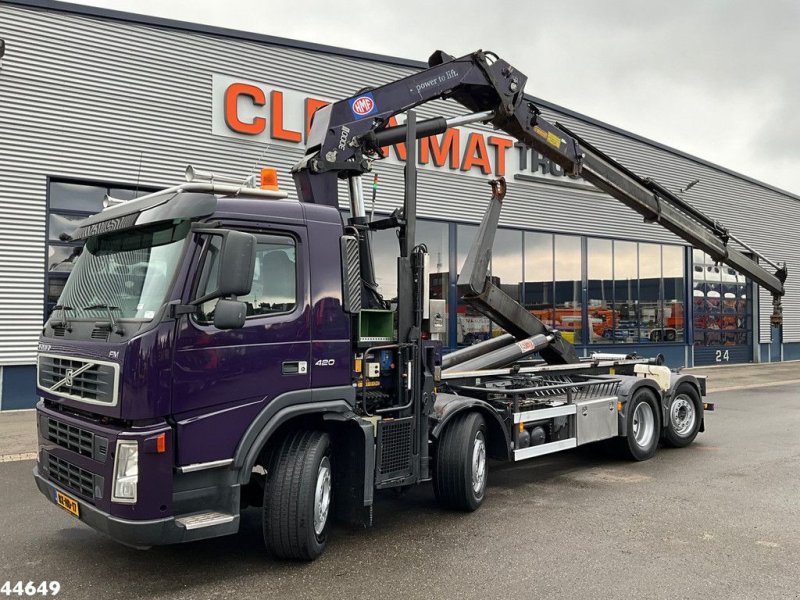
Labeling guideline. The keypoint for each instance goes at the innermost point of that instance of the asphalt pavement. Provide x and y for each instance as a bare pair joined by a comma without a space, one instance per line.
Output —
719,519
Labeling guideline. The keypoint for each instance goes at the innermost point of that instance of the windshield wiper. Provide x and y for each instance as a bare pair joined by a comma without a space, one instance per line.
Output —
64,320
114,327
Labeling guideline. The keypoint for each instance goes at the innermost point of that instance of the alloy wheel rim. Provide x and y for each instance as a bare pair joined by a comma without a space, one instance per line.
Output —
644,424
322,496
478,463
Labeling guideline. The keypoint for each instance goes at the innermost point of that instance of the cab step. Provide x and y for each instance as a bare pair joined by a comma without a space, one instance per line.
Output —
204,519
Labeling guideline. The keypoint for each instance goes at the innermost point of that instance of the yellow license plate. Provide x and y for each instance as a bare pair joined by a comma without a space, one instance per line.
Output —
67,503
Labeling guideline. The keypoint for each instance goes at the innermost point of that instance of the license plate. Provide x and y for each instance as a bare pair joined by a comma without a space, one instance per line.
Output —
67,503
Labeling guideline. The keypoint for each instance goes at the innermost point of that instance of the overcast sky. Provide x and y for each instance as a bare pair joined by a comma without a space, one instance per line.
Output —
719,79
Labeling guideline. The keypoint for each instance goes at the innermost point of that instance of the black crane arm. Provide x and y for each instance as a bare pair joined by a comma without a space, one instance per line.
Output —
347,134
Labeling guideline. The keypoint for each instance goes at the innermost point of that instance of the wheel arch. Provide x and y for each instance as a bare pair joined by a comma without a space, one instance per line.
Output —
627,388
284,412
448,406
699,386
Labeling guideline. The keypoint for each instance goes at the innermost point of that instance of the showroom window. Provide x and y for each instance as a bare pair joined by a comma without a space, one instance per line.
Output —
720,304
69,203
635,292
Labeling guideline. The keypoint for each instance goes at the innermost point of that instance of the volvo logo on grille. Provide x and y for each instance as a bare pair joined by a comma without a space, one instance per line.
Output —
68,378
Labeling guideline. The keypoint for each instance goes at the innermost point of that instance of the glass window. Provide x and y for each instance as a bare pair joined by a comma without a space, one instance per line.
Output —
126,193
274,288
600,281
385,250
436,235
471,325
537,294
77,197
507,261
70,203
128,272
626,292
61,259
673,277
720,304
651,310
465,236
568,283
65,225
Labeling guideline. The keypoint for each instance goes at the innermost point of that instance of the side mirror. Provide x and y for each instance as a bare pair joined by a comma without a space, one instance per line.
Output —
237,263
229,314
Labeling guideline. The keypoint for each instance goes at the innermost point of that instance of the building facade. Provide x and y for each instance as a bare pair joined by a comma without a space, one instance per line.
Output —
96,102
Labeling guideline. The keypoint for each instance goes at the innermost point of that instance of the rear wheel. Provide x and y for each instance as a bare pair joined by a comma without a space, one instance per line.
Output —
684,418
298,495
461,468
643,425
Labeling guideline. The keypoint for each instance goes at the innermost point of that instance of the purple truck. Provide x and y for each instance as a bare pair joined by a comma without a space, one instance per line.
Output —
219,346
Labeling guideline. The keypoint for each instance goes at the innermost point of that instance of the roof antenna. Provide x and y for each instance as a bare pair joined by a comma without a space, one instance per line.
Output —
138,175
250,177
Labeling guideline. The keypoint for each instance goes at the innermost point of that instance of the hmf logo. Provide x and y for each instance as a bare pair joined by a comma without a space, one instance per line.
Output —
363,106
261,113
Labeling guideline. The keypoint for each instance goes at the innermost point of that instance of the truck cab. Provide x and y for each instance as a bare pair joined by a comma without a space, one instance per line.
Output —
156,374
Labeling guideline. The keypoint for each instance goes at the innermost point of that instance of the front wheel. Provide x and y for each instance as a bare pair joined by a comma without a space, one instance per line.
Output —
297,496
684,418
461,469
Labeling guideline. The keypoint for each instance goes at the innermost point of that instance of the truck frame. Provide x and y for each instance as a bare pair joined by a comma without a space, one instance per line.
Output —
218,346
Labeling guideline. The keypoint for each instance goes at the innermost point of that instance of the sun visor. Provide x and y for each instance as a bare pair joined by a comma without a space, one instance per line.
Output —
155,208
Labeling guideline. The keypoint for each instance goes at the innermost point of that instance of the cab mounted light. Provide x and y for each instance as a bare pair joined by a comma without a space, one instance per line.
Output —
269,179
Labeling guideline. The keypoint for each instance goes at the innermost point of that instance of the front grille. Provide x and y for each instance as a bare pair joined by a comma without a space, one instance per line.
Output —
69,437
77,378
395,448
73,477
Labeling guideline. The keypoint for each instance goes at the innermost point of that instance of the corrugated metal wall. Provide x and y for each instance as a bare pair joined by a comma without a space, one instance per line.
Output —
87,97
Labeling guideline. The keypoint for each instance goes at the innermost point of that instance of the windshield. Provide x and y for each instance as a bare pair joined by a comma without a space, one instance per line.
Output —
126,273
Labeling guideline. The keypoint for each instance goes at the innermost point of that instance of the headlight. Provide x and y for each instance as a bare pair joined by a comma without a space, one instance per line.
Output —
126,472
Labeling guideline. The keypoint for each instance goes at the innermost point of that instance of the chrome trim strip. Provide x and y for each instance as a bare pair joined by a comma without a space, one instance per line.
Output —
545,449
214,464
545,413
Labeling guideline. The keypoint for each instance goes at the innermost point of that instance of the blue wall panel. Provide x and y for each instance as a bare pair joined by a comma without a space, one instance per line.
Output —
791,351
19,387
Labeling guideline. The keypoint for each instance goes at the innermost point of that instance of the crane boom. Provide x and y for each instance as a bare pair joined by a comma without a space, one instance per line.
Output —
347,135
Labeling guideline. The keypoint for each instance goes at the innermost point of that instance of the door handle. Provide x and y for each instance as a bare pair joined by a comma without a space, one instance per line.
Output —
294,367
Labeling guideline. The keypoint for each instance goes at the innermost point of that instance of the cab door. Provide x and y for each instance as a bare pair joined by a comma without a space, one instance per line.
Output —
223,379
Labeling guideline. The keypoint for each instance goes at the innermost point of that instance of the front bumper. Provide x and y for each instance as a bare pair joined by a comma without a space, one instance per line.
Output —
139,534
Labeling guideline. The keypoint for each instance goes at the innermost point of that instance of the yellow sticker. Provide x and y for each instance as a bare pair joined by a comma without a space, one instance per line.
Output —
554,140
370,383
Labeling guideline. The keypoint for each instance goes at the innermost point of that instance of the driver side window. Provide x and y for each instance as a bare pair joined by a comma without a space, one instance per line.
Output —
274,288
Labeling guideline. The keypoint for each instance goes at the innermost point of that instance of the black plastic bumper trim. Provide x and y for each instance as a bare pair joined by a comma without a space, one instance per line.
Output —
139,534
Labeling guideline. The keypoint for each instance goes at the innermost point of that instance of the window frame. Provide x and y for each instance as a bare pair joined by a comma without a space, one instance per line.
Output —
201,280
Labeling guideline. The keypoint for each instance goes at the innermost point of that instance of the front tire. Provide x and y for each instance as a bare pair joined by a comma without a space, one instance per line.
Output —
297,496
461,469
684,417
643,425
